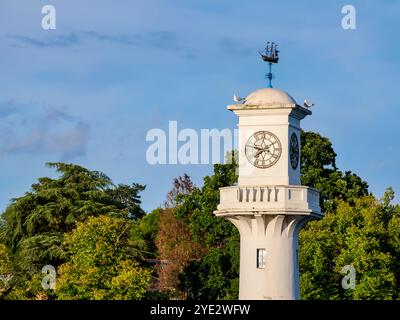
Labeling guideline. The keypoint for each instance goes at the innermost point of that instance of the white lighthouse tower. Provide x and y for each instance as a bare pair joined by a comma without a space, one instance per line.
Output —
269,205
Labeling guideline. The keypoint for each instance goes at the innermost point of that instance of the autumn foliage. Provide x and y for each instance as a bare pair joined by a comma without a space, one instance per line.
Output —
176,251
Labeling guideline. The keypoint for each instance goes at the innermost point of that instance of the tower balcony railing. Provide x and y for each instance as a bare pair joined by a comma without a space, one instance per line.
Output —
269,198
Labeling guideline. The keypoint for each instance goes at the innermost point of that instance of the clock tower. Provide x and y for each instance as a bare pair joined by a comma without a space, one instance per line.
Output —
269,205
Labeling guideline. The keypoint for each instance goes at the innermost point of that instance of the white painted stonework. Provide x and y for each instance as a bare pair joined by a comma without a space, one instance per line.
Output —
269,206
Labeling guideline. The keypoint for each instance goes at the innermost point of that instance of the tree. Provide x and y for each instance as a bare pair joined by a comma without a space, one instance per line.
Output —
174,244
318,170
215,273
145,231
197,207
354,231
176,250
361,235
102,263
181,185
33,226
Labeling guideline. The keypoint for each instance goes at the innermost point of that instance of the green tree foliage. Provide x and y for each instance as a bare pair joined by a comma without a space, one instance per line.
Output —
215,275
102,262
197,207
363,235
33,226
145,231
318,170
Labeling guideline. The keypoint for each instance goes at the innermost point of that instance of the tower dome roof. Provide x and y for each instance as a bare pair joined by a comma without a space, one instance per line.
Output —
268,96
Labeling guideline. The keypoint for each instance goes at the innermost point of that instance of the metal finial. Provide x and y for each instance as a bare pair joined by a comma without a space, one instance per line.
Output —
271,55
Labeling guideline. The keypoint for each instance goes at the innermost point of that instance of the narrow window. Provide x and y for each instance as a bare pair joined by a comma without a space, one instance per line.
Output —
261,258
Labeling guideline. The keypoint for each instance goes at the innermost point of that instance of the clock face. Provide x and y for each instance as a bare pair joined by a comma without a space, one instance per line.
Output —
294,151
263,149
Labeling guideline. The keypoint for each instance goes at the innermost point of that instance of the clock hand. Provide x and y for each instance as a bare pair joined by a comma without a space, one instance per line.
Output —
254,147
260,151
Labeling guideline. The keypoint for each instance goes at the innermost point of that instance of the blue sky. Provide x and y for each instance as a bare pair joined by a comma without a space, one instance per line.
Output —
89,91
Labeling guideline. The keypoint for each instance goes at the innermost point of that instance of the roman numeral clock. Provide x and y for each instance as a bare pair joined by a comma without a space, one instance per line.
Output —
263,149
269,205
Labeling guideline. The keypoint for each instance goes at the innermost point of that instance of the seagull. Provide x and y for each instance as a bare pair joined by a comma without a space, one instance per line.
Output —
308,104
237,99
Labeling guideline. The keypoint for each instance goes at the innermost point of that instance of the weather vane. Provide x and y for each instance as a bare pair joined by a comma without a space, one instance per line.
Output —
270,55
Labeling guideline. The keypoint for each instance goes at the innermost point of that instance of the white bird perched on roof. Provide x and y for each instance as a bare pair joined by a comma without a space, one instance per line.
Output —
308,104
237,99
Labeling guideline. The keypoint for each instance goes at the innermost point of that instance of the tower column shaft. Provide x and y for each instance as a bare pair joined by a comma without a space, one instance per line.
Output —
278,236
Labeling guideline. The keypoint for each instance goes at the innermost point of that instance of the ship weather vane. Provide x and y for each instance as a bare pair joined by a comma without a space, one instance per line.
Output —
271,55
